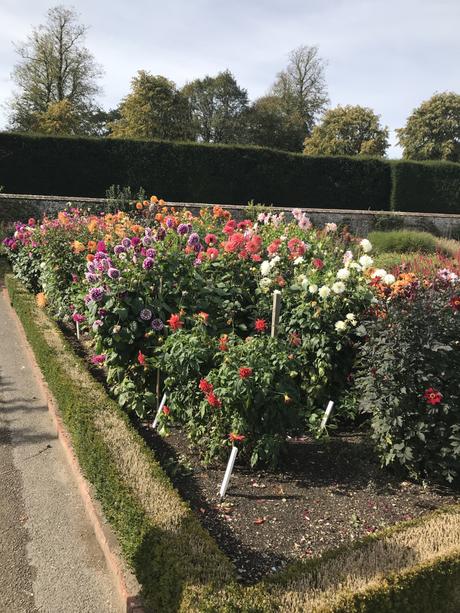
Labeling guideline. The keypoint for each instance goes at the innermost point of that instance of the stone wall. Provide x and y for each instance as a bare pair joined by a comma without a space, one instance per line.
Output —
359,222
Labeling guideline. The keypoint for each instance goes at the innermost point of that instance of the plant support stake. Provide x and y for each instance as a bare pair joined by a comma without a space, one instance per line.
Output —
78,330
327,412
228,472
276,312
160,408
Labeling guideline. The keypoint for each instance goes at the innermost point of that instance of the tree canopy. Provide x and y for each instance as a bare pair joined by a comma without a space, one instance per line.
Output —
268,125
218,105
432,131
154,108
55,67
348,130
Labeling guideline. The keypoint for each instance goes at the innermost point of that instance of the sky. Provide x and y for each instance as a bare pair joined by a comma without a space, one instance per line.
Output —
389,55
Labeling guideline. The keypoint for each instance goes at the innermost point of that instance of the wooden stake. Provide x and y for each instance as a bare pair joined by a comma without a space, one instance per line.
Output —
228,472
160,408
276,310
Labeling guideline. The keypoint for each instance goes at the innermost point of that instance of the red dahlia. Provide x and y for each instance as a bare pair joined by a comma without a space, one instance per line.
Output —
205,386
318,263
455,303
175,322
141,358
213,400
432,396
245,372
260,325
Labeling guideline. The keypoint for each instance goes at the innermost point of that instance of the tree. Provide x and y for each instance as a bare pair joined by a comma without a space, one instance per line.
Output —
301,87
348,130
55,66
58,118
154,109
268,125
432,131
218,107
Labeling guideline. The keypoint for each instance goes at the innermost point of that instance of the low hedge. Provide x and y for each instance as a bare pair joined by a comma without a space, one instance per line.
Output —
177,562
184,172
425,187
403,241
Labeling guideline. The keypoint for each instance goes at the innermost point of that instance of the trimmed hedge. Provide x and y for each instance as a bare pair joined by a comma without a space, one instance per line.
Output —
426,187
178,564
185,172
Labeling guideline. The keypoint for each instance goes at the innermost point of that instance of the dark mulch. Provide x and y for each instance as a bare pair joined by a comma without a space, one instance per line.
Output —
327,493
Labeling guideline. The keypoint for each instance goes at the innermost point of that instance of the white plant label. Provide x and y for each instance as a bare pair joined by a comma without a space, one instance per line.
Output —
78,330
276,310
160,408
228,472
327,413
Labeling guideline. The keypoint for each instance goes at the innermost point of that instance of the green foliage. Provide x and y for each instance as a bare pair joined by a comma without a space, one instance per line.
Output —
58,118
259,405
426,187
403,241
218,106
348,130
187,172
155,108
432,131
408,380
56,76
122,198
268,124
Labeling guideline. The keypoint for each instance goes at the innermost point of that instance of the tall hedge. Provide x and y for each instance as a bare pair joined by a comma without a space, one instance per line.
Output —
426,187
190,172
224,174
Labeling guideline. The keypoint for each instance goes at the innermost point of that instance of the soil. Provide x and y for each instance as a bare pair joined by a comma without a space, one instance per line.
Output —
329,493
326,494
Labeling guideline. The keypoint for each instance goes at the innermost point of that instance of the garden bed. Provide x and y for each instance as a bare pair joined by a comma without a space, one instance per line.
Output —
313,524
328,494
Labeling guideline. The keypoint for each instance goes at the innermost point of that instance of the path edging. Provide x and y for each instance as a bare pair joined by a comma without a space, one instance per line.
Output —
126,584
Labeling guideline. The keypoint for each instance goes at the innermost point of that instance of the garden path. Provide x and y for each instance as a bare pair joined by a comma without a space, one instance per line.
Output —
50,561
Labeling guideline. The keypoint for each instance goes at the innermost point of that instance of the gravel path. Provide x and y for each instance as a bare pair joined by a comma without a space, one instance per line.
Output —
50,561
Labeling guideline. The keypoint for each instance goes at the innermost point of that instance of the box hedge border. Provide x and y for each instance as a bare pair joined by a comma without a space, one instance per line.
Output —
165,574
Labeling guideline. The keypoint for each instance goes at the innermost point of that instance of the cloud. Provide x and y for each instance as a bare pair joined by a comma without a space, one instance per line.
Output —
386,54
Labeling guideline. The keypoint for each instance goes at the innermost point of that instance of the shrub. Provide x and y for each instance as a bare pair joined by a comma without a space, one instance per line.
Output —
408,377
403,241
